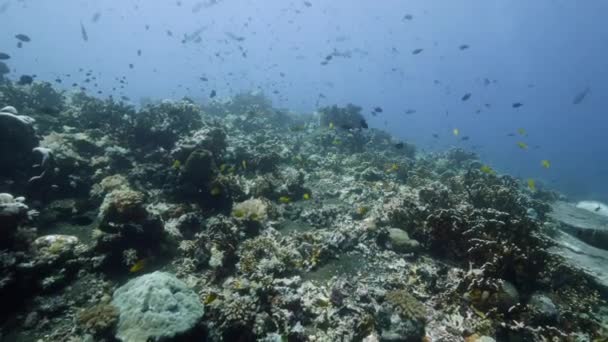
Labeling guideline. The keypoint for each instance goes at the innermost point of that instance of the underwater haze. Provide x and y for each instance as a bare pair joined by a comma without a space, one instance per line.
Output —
303,170
541,54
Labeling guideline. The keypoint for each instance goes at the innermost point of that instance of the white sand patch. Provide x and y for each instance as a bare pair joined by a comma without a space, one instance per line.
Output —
594,206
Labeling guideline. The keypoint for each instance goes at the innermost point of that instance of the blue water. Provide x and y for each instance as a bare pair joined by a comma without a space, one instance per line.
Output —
540,53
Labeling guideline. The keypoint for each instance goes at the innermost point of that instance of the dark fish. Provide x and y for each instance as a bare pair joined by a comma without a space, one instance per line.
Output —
408,17
363,123
197,7
96,17
517,105
131,66
235,37
378,110
417,51
466,96
463,47
213,93
22,37
329,57
598,208
410,111
19,45
465,138
204,79
4,56
25,80
147,27
581,96
139,52
511,134
49,110
4,7
83,33
307,4
58,80
324,63
169,33
399,146
435,135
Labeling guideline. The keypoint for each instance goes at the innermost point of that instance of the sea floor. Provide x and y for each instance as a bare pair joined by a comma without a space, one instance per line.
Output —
235,221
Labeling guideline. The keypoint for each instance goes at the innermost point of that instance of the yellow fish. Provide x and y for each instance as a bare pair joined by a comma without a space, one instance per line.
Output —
487,170
531,184
456,131
545,163
284,199
522,145
216,191
244,164
177,164
362,210
306,196
210,298
521,131
138,266
394,167
331,125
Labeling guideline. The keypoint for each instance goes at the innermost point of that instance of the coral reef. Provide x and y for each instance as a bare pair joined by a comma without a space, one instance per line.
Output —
347,118
236,221
17,140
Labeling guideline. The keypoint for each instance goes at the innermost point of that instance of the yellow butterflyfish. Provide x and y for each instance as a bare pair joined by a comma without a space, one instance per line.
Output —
177,164
216,190
284,199
531,184
522,145
210,298
487,170
545,163
521,131
306,196
456,131
138,266
362,210
331,125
